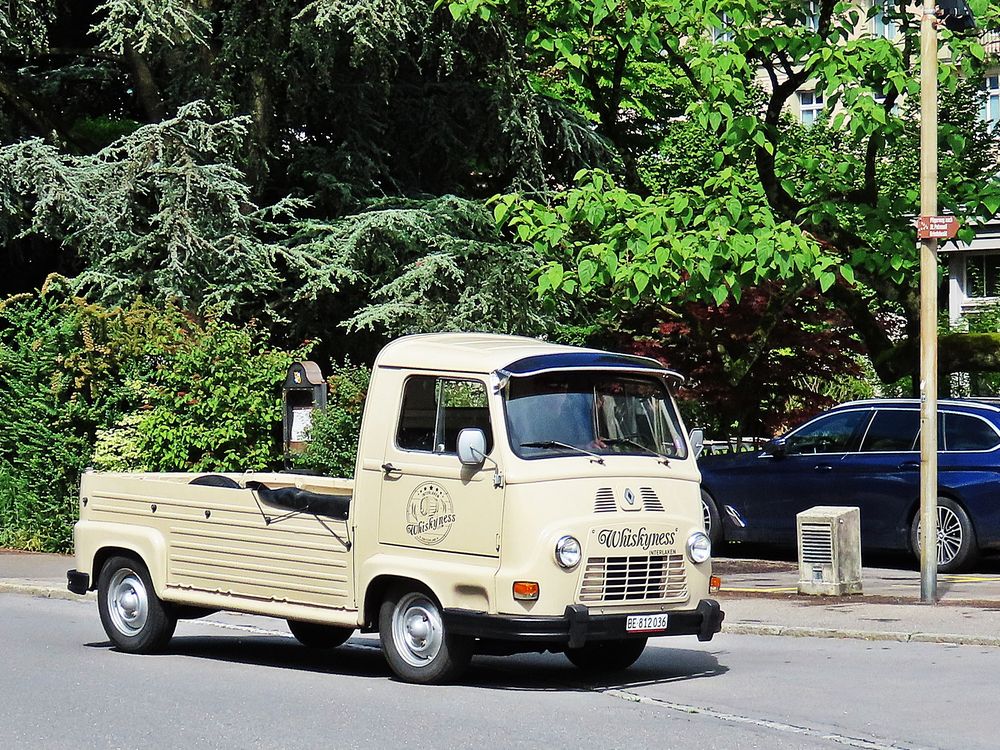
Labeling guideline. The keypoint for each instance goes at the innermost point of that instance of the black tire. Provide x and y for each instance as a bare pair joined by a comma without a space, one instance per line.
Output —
712,519
133,616
315,635
607,656
415,641
957,548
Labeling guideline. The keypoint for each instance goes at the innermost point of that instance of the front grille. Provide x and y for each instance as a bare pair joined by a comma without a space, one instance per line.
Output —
604,502
637,578
649,499
817,543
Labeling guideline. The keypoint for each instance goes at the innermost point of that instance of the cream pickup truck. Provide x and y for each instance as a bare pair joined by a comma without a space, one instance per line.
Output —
510,495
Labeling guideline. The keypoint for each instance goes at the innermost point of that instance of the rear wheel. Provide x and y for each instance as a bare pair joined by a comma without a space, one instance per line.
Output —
315,635
134,618
607,656
956,539
415,641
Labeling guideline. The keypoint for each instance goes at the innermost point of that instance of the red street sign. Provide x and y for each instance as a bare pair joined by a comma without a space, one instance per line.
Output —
937,227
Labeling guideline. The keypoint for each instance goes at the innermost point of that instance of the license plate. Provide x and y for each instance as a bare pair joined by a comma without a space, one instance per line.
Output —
645,623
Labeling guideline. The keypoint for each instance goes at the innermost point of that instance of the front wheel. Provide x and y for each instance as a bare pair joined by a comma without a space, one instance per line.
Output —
607,656
711,520
134,618
956,539
314,635
414,639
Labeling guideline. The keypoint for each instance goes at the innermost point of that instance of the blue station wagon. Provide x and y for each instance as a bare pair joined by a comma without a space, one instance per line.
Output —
866,454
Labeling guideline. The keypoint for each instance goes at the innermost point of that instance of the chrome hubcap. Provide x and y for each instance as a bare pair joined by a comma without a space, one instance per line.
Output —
706,518
128,603
417,630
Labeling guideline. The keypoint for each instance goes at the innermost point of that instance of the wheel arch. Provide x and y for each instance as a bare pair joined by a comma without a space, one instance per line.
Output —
98,541
376,591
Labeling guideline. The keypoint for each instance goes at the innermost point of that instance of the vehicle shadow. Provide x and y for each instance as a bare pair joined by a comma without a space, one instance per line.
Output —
352,659
361,658
553,672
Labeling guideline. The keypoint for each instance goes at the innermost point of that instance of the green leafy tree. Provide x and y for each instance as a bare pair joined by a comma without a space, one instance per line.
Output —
150,148
834,201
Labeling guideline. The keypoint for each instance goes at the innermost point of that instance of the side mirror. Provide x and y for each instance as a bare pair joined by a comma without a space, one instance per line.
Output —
471,446
777,448
697,439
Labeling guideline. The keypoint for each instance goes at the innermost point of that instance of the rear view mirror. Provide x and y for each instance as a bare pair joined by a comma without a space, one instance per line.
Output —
471,446
697,438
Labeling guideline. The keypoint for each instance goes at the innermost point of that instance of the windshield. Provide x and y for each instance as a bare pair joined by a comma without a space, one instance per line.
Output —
596,412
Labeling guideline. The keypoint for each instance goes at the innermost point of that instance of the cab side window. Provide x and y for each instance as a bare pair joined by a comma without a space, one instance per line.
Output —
436,409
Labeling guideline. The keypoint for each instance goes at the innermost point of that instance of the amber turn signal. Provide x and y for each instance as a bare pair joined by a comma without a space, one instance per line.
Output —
714,584
525,590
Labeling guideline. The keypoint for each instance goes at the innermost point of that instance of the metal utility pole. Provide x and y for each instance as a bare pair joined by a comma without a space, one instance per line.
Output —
928,304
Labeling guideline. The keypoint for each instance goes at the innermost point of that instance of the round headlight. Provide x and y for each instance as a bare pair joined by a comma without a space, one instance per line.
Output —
699,547
568,552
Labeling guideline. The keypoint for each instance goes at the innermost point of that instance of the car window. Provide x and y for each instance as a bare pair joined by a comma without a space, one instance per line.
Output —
892,430
829,434
966,433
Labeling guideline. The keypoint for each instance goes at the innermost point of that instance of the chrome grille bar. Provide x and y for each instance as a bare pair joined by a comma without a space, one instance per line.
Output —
633,578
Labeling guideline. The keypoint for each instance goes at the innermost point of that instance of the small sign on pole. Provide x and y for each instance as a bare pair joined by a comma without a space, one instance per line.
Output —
937,227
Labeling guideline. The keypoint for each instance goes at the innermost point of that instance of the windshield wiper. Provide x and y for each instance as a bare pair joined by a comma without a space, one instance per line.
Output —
596,458
664,459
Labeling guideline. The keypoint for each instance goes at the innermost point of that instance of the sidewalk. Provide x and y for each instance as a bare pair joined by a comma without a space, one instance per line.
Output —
759,598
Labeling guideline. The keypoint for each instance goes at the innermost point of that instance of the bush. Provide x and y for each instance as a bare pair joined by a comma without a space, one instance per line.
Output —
53,397
141,389
334,433
208,394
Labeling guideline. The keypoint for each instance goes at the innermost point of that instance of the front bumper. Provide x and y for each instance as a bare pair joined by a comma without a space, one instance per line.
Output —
77,582
577,626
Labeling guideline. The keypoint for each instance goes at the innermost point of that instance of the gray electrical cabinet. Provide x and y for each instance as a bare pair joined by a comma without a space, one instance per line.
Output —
829,542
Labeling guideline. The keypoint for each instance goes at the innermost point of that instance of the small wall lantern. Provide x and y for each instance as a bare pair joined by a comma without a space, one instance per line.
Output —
303,392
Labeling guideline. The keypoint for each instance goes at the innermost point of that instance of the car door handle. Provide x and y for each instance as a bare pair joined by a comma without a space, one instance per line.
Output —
909,465
390,469
823,467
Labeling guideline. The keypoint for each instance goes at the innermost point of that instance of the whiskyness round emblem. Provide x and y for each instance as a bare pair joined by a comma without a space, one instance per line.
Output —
429,513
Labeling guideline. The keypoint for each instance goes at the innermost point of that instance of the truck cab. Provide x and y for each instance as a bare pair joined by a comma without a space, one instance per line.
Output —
510,495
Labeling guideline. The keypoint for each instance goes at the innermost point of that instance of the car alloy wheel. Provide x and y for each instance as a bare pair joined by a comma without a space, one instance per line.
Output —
956,539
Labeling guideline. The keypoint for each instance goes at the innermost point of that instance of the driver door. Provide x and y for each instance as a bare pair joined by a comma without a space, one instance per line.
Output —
430,500
807,473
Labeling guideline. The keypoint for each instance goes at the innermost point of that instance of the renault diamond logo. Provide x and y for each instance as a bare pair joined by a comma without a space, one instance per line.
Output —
629,496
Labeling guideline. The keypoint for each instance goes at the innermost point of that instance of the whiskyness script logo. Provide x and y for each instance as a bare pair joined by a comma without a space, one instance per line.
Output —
429,513
641,538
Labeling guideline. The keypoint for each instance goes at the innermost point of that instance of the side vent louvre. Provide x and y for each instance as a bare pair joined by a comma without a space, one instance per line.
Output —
817,543
649,499
604,502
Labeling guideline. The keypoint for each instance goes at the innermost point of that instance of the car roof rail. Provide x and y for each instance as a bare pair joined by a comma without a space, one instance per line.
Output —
984,402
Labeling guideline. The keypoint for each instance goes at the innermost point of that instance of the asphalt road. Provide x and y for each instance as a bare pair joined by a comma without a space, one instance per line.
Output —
233,681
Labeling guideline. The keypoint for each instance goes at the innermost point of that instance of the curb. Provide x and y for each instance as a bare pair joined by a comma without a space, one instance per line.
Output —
43,590
862,635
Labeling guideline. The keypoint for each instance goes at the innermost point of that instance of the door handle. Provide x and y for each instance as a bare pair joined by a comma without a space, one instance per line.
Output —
389,469
823,467
909,465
